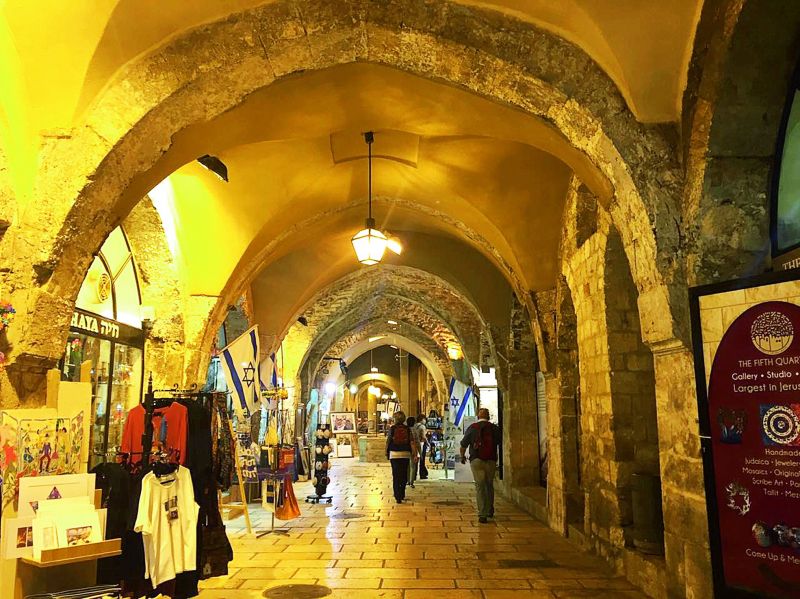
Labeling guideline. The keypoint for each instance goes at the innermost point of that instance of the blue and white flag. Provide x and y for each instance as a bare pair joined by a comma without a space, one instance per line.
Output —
460,395
240,363
270,367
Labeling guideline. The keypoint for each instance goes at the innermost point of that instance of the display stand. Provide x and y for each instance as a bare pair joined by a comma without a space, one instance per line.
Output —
242,505
275,477
61,556
322,450
20,577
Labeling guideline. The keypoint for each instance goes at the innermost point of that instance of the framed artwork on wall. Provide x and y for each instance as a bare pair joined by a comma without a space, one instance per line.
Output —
343,422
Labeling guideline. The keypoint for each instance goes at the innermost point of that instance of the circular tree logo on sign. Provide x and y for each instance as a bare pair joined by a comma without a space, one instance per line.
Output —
772,333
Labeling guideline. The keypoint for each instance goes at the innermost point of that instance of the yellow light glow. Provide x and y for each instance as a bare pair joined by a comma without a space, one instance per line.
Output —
454,352
373,390
394,245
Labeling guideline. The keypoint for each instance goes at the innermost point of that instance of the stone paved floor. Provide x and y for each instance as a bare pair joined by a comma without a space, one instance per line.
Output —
416,550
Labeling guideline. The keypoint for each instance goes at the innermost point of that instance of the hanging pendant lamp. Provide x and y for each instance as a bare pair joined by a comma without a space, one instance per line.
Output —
369,243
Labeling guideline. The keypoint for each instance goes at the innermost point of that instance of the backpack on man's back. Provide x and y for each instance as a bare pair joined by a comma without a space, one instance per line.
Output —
483,446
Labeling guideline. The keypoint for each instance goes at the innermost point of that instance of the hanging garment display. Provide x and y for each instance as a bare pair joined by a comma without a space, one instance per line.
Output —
286,507
223,448
170,425
167,519
215,549
271,437
205,459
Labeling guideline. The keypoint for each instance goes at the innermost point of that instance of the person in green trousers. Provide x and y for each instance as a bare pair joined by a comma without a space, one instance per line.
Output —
483,440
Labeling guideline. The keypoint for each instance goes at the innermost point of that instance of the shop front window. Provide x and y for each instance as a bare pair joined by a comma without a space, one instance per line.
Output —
106,338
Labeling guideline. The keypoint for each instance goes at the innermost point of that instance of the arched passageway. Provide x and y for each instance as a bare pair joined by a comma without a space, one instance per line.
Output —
556,178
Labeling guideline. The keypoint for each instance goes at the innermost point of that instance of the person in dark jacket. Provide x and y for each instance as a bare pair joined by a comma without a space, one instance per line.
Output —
412,465
400,450
422,439
482,438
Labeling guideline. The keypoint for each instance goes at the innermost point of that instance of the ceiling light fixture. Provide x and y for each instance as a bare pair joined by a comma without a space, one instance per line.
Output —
370,243
215,165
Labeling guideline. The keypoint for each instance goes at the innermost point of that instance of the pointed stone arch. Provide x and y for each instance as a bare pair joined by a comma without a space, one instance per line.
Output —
213,68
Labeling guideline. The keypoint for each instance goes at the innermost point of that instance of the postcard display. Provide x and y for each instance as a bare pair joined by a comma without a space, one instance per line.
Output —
746,338
43,458
322,450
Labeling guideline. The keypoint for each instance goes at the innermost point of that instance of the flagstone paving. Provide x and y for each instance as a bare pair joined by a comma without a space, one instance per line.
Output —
364,545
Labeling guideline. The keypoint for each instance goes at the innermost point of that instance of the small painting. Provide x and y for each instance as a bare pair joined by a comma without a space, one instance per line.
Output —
79,535
24,537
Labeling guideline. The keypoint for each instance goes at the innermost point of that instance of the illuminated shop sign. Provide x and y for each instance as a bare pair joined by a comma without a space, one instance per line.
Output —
747,351
95,325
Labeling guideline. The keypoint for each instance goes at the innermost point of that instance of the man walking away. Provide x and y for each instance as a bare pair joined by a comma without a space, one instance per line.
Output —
483,439
400,450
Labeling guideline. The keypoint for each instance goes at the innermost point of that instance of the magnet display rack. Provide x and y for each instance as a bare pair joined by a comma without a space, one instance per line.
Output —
322,450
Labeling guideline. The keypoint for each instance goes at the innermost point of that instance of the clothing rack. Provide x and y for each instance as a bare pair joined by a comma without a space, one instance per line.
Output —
150,400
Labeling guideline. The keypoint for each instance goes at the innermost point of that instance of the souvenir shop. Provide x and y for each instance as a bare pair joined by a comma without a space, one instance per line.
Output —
146,521
106,337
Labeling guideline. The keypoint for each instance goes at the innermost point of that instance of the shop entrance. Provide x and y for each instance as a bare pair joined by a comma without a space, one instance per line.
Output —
116,377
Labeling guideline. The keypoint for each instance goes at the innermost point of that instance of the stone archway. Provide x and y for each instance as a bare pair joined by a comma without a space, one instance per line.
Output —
165,350
735,102
132,124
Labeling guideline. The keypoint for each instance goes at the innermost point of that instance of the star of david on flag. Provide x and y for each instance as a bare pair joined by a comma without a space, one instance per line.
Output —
240,364
460,395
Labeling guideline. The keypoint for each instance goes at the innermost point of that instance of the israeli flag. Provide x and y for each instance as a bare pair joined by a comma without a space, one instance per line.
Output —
460,395
240,363
270,367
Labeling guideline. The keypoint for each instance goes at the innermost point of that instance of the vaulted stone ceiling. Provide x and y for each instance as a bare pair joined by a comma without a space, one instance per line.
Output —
474,188
79,46
422,308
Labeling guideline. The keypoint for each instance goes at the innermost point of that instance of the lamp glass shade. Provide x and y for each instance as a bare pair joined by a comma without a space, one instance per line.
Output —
369,244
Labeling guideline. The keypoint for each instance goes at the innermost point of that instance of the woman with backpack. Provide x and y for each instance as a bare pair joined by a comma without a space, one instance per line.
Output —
400,450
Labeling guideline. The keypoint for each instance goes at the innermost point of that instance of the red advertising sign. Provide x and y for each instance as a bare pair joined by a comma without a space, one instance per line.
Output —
754,424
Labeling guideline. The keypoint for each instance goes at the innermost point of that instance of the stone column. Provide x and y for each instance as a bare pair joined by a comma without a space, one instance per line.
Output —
520,430
564,495
404,395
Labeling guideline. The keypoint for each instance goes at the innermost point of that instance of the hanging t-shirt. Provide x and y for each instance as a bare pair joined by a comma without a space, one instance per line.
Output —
172,438
167,519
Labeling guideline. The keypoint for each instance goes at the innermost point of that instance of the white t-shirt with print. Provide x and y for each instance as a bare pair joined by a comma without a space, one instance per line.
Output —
167,519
